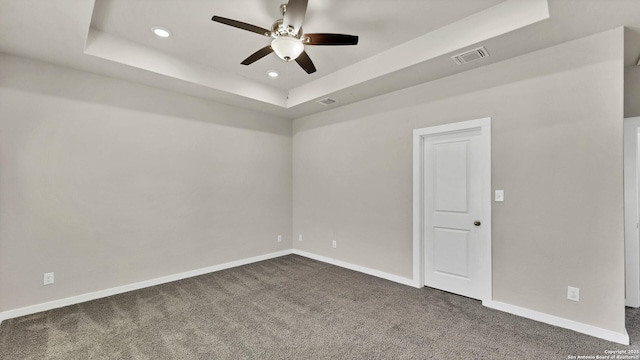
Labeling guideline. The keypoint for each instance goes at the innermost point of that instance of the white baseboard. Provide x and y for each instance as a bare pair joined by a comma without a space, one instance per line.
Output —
358,268
135,286
621,338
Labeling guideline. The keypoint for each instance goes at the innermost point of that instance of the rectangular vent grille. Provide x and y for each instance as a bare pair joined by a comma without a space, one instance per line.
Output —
471,55
327,101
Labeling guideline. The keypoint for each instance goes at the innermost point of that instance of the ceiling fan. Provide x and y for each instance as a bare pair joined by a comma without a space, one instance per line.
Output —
288,39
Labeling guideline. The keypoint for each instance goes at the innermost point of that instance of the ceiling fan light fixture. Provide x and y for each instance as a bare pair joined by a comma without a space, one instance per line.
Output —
287,48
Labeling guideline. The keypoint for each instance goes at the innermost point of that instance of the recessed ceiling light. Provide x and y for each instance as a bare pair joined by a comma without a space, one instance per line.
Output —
161,31
272,73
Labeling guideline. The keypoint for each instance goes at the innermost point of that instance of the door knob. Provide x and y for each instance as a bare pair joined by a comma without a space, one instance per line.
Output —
477,223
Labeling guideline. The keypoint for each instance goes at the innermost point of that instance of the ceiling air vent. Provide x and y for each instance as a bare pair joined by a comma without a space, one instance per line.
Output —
327,101
471,55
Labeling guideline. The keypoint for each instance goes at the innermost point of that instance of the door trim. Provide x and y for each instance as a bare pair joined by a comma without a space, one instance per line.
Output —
631,236
484,125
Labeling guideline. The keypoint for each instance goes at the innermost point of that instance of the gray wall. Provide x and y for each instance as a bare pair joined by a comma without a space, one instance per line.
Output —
556,151
107,183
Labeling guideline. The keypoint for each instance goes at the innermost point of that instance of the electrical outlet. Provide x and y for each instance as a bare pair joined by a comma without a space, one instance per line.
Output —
573,293
279,238
300,237
334,244
47,279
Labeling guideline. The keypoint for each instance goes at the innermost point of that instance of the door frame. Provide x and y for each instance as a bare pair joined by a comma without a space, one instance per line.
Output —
631,216
484,125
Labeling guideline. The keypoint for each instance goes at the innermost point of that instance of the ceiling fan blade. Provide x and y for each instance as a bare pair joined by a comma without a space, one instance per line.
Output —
241,25
296,9
257,55
329,39
305,63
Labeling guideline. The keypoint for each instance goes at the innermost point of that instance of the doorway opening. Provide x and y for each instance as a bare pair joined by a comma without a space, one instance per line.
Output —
631,214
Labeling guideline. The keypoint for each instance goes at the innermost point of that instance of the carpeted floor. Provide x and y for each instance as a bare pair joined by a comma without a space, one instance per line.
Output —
291,308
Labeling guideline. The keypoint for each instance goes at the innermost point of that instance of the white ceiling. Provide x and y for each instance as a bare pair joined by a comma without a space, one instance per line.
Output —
197,38
402,42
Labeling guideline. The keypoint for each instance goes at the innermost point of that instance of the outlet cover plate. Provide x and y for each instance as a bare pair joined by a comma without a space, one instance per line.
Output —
573,293
47,279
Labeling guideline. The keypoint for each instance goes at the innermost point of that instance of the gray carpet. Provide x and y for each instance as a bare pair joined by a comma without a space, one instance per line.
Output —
291,308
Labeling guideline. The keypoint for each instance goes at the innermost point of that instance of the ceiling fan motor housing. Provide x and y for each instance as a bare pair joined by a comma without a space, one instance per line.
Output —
278,29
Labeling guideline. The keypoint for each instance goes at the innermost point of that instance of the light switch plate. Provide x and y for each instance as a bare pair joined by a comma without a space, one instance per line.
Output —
499,195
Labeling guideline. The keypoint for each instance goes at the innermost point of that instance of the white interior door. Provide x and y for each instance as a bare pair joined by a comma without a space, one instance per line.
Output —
456,222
